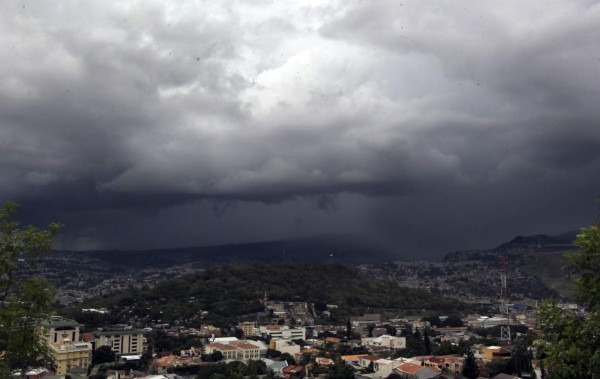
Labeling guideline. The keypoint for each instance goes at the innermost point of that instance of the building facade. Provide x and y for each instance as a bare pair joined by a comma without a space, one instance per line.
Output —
122,342
392,343
56,329
68,355
247,327
283,332
237,350
62,337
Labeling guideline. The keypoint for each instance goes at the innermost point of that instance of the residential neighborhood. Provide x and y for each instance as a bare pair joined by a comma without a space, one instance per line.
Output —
373,345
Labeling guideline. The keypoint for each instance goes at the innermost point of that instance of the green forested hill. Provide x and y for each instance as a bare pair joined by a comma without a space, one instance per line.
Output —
231,291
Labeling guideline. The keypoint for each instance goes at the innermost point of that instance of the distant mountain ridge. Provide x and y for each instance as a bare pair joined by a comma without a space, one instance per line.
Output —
540,256
519,245
78,275
538,241
345,249
331,248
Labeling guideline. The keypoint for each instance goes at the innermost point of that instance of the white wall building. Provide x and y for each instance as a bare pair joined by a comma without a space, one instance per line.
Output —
390,342
283,332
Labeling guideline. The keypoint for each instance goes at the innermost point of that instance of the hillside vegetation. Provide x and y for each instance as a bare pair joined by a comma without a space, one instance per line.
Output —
229,292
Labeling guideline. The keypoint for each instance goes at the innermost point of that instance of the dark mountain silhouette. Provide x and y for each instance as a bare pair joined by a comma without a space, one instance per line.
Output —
538,241
347,249
519,247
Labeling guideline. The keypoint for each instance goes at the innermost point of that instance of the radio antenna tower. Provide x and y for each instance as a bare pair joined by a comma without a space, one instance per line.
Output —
504,328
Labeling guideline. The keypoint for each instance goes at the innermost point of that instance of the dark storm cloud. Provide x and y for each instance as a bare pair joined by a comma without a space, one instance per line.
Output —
107,109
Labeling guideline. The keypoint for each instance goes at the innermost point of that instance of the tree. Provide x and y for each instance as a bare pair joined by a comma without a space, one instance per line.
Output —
371,367
499,366
103,354
348,329
446,348
306,359
216,356
340,370
145,360
453,321
433,321
571,343
370,329
288,358
320,306
23,302
470,369
521,356
415,344
426,342
239,333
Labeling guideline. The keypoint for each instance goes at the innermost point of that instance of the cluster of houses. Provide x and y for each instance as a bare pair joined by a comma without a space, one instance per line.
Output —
72,350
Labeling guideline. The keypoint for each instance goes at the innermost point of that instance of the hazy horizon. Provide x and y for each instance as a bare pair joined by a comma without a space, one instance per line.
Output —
428,126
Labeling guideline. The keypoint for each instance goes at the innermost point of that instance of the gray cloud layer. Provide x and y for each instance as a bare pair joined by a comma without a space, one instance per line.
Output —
411,112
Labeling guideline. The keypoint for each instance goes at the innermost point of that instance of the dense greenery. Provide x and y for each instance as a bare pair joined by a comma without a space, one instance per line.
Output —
24,302
571,343
160,341
470,369
103,354
340,370
229,292
450,321
415,345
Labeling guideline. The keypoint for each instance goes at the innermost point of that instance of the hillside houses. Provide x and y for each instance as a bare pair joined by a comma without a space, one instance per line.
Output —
374,346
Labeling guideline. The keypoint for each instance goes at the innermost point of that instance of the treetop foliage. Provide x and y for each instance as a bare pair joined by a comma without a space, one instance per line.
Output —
231,291
570,344
24,302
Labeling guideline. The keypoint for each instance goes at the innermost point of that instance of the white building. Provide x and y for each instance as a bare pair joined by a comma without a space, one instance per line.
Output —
283,332
285,346
235,350
391,342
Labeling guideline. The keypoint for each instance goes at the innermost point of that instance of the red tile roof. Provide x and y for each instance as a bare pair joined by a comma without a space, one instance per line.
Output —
293,369
221,346
244,345
409,368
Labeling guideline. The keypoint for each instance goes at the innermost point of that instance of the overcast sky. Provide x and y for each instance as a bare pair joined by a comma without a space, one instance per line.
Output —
431,125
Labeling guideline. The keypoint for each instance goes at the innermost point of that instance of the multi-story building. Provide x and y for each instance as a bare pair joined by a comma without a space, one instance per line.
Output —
56,329
235,350
283,332
228,351
68,355
246,351
62,337
122,342
285,346
248,328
